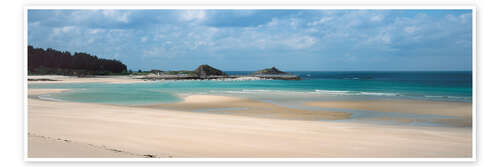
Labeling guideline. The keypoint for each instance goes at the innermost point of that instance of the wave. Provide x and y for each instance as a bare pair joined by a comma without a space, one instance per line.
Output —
315,92
244,79
258,90
332,92
319,92
341,92
378,94
448,97
238,79
248,91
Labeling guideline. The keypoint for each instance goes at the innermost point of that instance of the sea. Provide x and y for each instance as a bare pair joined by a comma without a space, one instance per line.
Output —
314,86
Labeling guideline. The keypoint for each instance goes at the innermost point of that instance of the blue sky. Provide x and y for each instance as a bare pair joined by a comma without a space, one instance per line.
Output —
256,39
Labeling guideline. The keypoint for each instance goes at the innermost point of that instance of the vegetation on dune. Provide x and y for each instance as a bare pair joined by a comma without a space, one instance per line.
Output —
51,61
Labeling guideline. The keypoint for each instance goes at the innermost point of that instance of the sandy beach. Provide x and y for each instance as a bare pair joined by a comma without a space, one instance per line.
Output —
47,147
166,130
117,79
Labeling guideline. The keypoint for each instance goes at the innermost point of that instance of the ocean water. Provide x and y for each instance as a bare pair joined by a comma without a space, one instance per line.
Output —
432,85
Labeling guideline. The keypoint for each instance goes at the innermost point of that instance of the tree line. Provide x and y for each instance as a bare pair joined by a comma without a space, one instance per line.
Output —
51,61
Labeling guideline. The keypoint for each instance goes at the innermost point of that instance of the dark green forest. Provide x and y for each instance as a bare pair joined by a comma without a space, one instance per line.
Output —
51,61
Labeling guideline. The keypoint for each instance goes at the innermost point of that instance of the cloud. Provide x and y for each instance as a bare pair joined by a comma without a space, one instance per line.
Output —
300,42
192,15
144,39
321,21
120,16
244,18
64,29
95,31
411,29
175,36
377,18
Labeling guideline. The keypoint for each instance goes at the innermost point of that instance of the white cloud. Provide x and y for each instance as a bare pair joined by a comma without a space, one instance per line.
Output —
273,22
411,29
300,42
463,18
95,31
153,52
244,12
385,38
65,29
116,15
193,15
377,18
144,39
321,21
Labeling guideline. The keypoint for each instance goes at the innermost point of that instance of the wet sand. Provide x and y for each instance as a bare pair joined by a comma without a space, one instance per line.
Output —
246,107
462,111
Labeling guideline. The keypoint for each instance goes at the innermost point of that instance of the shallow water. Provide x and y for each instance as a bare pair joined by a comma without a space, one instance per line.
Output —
315,86
438,86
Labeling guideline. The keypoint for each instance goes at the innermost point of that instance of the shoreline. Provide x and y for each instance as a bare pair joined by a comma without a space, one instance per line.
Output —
115,79
166,132
126,79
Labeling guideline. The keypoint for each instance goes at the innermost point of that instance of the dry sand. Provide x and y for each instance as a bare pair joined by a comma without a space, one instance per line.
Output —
168,133
46,147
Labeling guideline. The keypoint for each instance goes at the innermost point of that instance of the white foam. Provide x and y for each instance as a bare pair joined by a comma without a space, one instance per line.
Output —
315,92
332,92
261,91
239,79
435,96
257,90
455,97
447,97
378,94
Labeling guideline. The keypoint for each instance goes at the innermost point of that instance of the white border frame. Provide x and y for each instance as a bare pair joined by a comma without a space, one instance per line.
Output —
298,7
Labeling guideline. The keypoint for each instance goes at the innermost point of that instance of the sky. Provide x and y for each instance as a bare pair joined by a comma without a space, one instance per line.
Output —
240,40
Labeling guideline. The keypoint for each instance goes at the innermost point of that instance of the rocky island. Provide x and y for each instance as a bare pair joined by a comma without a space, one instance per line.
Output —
208,72
270,71
274,73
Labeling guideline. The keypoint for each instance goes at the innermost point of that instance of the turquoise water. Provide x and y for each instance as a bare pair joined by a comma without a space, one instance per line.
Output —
436,86
314,86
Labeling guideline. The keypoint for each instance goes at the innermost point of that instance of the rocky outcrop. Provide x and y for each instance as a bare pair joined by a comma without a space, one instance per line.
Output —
205,71
274,73
270,71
